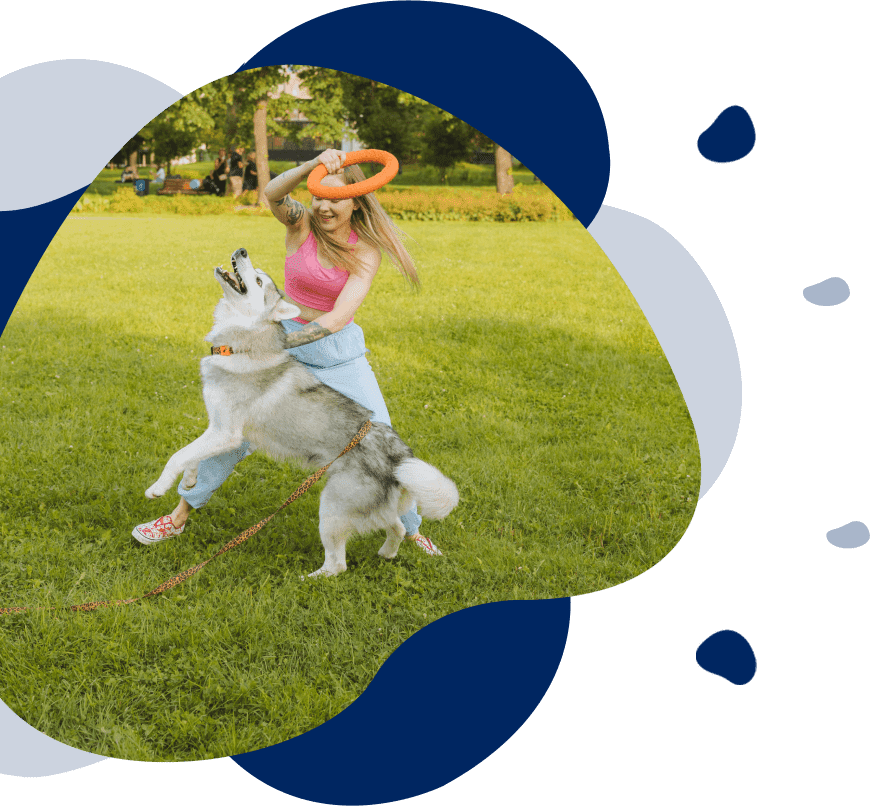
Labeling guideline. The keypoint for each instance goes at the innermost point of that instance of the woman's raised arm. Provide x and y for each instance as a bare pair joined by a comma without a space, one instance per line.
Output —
284,207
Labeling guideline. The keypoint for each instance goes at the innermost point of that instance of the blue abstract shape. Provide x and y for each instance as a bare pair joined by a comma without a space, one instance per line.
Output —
832,291
29,753
730,138
94,129
728,654
690,324
446,699
850,536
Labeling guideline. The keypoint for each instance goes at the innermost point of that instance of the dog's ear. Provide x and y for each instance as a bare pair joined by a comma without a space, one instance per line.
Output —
284,310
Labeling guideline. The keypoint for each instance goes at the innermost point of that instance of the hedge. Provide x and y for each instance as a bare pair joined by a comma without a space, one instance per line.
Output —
526,203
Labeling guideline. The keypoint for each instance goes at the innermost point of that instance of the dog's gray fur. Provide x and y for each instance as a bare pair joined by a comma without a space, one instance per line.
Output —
263,395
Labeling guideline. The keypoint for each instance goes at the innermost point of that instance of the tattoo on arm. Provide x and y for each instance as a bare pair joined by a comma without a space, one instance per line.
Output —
295,209
311,332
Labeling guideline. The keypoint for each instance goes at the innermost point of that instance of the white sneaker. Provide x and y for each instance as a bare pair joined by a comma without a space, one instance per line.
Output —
425,543
155,531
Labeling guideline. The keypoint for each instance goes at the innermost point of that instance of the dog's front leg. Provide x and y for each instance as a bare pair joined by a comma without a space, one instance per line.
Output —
211,443
188,480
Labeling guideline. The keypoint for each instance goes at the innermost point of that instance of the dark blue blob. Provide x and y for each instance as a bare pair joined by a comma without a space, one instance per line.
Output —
728,654
407,65
832,291
730,138
442,702
27,753
851,536
109,105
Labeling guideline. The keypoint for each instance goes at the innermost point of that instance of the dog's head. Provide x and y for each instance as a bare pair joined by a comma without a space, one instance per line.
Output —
251,293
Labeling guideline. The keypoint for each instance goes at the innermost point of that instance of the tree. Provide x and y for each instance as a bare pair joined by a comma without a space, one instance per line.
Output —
325,108
504,180
382,117
129,154
249,95
168,141
378,114
177,130
230,111
448,140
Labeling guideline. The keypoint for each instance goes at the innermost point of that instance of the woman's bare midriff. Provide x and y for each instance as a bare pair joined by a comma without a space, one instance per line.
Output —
309,314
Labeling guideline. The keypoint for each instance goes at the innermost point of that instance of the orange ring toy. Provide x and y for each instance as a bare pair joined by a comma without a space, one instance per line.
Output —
391,168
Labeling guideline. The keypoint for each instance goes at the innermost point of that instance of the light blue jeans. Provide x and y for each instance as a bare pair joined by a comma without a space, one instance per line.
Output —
339,361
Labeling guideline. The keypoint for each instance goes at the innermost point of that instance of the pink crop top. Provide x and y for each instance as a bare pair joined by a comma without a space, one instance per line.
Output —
309,283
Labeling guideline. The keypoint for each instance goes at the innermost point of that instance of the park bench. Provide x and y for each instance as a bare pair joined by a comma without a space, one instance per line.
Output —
175,184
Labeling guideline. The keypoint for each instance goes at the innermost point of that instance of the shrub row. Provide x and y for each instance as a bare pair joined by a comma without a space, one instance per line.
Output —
484,205
526,203
126,201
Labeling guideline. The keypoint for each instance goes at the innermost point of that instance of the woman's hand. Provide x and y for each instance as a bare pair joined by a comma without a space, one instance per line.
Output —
333,160
277,189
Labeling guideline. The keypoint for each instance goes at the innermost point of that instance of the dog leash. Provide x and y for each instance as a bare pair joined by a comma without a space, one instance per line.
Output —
236,541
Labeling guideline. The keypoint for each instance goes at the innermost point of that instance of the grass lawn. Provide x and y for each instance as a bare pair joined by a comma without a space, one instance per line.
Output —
524,370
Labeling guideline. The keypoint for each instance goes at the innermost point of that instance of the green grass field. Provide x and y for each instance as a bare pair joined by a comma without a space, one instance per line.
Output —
524,370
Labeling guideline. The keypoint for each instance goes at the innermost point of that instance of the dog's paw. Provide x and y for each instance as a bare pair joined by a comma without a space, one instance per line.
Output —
188,480
155,490
326,572
388,552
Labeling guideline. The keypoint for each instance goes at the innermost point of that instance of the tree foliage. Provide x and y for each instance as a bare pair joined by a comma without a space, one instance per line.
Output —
325,109
447,140
222,114
378,114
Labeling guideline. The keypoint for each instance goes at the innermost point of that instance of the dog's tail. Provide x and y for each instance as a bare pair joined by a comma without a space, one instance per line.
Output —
436,495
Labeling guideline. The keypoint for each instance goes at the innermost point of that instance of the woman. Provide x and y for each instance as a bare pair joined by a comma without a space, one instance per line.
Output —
352,233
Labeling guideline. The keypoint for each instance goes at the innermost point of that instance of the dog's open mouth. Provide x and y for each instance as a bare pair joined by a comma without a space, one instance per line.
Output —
233,280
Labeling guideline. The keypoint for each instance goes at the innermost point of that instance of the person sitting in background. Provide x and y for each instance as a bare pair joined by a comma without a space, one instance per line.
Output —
160,176
211,183
237,159
220,172
250,179
129,174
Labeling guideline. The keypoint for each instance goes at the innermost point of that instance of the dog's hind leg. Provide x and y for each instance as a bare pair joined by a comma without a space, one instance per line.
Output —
395,533
334,534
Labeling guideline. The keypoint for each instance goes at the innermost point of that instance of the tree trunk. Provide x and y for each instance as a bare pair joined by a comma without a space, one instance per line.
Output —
133,160
261,147
504,180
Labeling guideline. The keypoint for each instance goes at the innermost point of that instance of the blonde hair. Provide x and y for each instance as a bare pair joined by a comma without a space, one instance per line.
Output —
373,226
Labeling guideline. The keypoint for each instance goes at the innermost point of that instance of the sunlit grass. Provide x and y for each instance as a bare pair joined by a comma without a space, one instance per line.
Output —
524,370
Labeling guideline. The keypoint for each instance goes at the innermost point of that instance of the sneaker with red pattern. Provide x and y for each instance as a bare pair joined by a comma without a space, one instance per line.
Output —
424,543
155,531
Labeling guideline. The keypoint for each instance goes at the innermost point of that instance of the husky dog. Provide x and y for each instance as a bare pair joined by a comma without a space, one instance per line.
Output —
260,393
